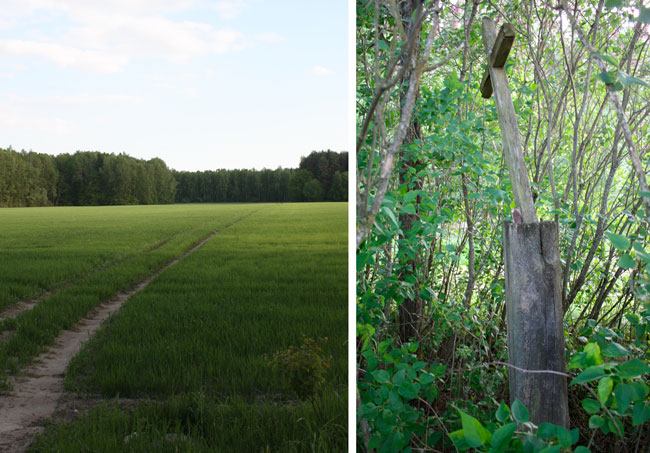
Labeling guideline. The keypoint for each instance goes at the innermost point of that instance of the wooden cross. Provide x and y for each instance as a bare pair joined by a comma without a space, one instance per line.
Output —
532,269
497,49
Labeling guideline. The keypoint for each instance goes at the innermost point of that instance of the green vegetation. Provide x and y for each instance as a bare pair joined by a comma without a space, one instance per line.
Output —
194,423
433,194
44,249
198,337
322,175
31,330
94,178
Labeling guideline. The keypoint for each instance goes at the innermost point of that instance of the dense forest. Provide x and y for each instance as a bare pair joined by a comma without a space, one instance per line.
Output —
321,176
94,178
434,195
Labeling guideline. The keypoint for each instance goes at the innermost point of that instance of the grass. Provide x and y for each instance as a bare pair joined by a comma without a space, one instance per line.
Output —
34,329
208,321
205,326
194,423
45,248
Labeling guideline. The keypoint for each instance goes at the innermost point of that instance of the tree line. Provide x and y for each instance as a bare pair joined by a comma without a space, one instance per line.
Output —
94,178
321,176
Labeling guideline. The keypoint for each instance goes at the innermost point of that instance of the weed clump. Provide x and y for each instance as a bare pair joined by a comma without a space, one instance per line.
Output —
304,369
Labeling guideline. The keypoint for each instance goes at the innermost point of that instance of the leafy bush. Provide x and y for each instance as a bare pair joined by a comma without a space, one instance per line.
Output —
304,368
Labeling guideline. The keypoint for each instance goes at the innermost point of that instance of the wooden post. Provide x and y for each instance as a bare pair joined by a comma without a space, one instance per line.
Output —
534,314
532,262
508,119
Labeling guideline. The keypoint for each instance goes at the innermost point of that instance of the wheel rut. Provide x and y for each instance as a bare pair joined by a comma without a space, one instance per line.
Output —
18,307
37,390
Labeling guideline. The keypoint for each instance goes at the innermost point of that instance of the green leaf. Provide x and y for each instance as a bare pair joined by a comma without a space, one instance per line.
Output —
475,435
407,392
596,421
615,350
581,449
546,431
520,412
605,386
640,414
626,262
590,374
632,368
627,394
612,427
609,4
381,376
628,80
399,377
389,213
458,438
593,354
564,437
411,195
502,436
408,209
590,405
426,378
607,58
609,78
503,412
618,241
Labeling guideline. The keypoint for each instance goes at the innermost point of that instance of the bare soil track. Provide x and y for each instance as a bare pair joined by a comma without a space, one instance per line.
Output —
37,391
24,305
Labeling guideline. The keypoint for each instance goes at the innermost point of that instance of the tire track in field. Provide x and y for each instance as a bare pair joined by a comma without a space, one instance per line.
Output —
36,392
17,308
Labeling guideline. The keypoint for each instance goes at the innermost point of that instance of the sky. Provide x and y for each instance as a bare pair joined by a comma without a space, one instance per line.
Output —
200,84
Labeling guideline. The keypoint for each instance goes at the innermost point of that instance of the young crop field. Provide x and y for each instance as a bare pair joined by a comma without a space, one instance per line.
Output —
239,346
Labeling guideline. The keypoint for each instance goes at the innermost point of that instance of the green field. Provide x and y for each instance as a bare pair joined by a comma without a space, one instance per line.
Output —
197,340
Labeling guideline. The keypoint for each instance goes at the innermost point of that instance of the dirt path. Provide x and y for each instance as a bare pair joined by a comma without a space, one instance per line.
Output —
18,307
35,393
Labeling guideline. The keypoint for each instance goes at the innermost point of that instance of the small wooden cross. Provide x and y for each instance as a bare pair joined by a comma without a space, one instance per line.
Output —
497,49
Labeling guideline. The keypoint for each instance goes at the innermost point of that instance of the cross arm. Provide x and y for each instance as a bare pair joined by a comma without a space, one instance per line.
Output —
498,56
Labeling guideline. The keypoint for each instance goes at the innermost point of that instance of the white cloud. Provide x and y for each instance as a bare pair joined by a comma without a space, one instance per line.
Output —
12,118
105,36
191,92
65,56
79,99
321,71
229,9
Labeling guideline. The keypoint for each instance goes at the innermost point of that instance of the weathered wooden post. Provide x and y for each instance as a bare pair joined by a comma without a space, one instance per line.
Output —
532,262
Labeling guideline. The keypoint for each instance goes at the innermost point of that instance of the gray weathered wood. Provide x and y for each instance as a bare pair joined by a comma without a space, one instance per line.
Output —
498,56
486,84
512,148
534,315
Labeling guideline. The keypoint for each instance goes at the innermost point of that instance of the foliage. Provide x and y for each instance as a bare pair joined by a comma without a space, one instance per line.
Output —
304,367
514,432
93,178
393,386
430,270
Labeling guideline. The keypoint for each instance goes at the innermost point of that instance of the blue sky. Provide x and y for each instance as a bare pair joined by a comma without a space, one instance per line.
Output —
201,84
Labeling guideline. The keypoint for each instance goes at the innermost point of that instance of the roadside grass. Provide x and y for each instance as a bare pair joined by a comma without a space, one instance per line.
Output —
34,329
46,248
194,423
206,326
